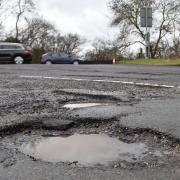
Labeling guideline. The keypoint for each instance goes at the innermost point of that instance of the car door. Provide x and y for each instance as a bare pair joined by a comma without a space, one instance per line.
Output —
55,58
5,55
59,58
65,58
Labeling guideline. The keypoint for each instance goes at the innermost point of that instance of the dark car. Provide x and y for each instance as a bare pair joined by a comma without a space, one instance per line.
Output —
15,52
59,58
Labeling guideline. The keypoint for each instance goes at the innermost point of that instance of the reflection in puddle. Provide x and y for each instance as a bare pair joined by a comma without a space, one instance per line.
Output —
85,149
82,105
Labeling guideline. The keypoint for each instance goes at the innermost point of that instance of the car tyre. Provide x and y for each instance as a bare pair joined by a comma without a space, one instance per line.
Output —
76,62
48,62
18,60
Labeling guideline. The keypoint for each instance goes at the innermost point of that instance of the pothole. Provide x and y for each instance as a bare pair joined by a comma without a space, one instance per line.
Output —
86,150
97,148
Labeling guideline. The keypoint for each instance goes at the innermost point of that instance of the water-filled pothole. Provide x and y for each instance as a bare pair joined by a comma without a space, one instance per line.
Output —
85,149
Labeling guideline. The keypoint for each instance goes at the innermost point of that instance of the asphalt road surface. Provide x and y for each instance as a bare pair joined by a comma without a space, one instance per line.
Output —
138,104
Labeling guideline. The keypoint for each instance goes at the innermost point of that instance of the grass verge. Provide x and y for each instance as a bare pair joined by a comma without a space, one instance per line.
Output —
151,61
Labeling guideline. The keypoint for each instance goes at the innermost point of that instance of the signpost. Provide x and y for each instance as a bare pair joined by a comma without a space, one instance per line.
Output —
146,21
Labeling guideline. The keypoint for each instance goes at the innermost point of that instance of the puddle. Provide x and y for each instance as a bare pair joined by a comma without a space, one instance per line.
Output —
87,150
82,105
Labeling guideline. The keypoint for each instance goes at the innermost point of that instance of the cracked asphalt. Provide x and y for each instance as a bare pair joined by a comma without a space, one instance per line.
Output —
32,108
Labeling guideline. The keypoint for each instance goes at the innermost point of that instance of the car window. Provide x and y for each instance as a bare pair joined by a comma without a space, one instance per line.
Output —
1,47
10,47
63,55
17,47
48,54
55,54
7,47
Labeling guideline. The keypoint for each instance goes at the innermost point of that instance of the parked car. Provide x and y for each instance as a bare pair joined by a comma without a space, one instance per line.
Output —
15,52
59,58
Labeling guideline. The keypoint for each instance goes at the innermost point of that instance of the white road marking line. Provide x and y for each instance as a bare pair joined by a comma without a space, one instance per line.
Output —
167,86
147,84
131,83
101,80
98,80
38,77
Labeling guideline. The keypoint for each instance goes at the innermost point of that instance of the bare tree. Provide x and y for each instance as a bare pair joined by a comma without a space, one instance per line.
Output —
101,52
104,51
175,47
39,33
1,31
126,13
1,12
42,34
2,3
172,49
22,7
69,43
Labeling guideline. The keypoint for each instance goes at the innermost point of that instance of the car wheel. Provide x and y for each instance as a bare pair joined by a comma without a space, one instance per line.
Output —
48,62
76,62
18,60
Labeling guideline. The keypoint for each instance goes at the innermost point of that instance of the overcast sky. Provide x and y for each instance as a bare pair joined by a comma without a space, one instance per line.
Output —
89,18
